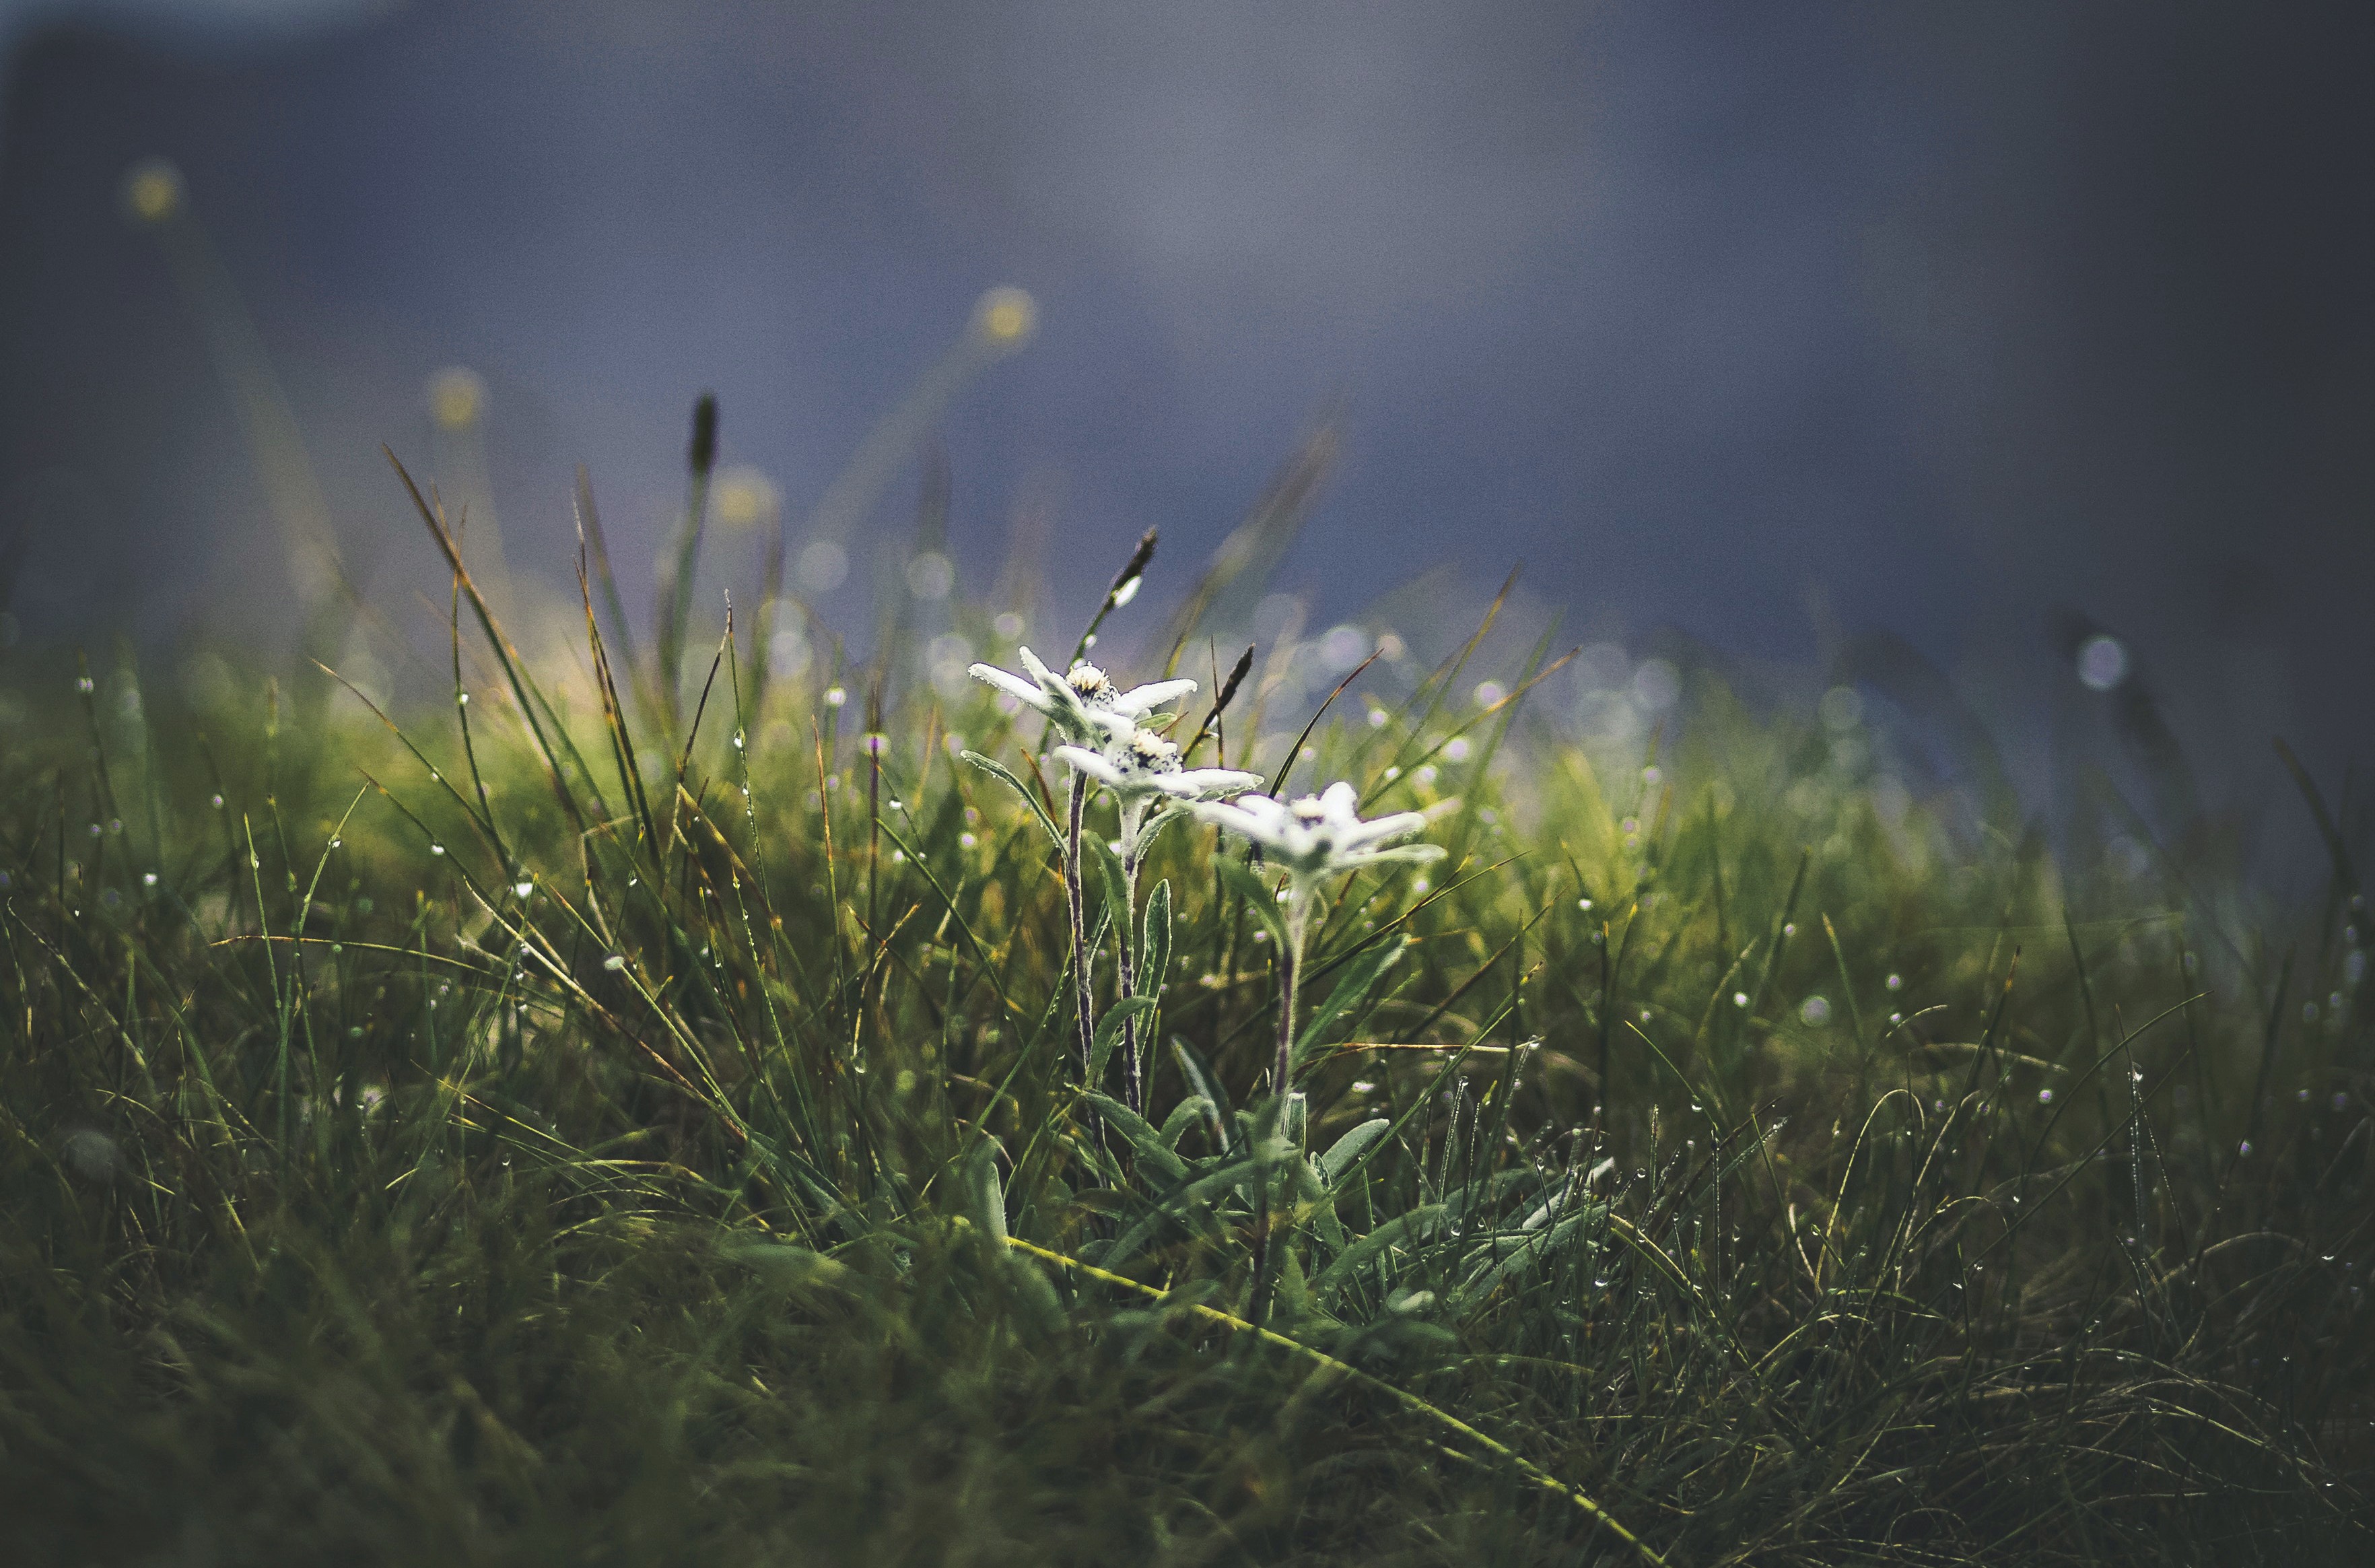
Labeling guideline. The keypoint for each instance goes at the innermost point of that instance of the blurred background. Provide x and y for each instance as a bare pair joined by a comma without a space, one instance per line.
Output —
2006,365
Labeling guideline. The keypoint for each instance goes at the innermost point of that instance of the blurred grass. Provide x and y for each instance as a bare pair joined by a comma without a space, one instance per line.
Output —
550,1136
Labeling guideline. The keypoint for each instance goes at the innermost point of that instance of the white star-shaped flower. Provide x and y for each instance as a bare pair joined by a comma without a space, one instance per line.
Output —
1077,703
1318,835
1138,764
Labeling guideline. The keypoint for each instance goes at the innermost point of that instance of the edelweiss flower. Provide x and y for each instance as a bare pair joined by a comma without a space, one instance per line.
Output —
1318,835
1138,764
1077,702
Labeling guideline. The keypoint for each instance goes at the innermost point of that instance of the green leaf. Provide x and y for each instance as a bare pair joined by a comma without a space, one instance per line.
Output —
1109,1030
1242,880
1325,1223
1293,1301
1152,828
1153,1151
1185,1115
1349,1148
1416,1105
1109,881
985,1194
1033,1294
1523,1257
1361,976
1000,771
1154,951
790,1267
1402,1231
1201,1083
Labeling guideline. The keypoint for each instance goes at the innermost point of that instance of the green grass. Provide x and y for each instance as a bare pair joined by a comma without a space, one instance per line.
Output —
478,1148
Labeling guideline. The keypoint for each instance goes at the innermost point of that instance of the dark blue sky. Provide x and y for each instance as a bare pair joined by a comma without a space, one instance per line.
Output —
1962,315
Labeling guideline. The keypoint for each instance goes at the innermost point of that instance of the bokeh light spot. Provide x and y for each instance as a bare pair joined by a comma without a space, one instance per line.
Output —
1007,315
744,497
458,398
2102,663
823,566
152,190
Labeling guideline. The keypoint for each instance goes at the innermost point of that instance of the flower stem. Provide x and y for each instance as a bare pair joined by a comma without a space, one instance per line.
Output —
1290,978
1082,996
1290,974
1125,974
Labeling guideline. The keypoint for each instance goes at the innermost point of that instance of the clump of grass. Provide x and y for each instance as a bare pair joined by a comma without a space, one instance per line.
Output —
465,1140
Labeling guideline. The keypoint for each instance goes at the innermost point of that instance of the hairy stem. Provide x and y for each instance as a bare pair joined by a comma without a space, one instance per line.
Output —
1290,974
1073,894
1133,1078
1290,977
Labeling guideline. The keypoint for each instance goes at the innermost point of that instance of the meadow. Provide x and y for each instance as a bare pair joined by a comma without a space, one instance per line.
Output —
635,1108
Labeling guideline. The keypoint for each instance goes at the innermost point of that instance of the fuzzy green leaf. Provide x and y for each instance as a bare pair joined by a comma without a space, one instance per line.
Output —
1260,896
1001,772
1109,1030
1154,1154
1349,1148
1361,976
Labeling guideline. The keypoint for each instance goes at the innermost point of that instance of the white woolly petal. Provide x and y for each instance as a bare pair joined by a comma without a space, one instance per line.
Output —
1206,782
1245,824
1269,818
1414,854
1382,830
1145,699
1118,727
1338,800
1083,761
1011,684
1039,672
